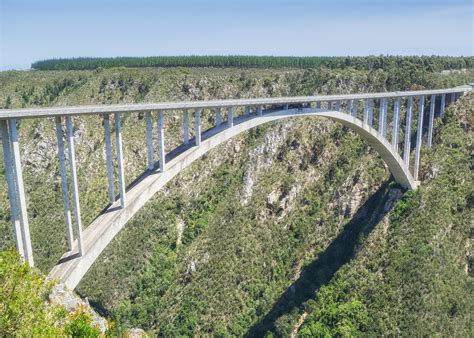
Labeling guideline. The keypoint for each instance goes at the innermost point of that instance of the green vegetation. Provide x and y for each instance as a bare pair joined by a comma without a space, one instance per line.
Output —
24,310
427,63
291,227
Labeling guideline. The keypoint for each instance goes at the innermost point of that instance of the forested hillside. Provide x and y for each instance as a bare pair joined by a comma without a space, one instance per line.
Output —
291,228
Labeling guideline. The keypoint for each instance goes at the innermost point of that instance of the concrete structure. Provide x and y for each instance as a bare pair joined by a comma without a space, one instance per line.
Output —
93,240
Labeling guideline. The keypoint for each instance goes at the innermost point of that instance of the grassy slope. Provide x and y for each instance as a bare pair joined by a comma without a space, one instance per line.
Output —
234,262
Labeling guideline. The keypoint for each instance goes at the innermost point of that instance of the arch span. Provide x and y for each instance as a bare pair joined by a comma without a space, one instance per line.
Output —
71,268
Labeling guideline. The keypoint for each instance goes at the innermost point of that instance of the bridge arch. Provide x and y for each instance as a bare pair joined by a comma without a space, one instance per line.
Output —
106,226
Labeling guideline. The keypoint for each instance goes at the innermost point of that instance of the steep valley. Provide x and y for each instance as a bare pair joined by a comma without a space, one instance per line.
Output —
295,227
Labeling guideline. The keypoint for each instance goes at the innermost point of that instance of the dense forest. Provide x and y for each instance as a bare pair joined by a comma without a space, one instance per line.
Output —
292,228
427,63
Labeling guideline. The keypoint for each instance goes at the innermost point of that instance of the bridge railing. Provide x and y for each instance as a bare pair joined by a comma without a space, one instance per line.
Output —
370,108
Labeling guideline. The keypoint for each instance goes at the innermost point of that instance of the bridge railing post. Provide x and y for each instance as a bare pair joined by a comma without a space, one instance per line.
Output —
119,153
12,193
161,140
109,158
197,127
396,123
419,134
149,141
407,142
75,187
230,116
431,120
64,184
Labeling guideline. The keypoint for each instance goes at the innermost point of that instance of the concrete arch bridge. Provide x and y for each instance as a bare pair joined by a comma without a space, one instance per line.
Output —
368,114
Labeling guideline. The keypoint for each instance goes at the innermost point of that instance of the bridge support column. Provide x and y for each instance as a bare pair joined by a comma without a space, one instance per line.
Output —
383,117
185,127
161,140
407,143
370,117
119,152
396,122
366,111
75,188
197,127
64,186
350,104
247,110
318,105
285,107
260,111
453,98
12,193
109,159
338,105
218,117
354,108
230,117
431,120
149,141
443,105
20,192
419,134
329,105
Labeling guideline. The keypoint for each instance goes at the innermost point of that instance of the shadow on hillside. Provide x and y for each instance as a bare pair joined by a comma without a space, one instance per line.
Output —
321,270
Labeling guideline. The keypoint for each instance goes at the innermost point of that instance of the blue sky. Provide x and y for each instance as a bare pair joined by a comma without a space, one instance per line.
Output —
32,30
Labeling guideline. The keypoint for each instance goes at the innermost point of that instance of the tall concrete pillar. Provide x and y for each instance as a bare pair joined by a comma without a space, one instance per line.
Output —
318,105
64,185
443,105
382,116
109,159
350,105
407,143
149,141
354,108
396,123
12,194
453,98
370,117
431,120
119,152
20,192
75,187
197,127
230,117
186,126
285,107
329,105
161,140
419,134
338,105
259,110
218,117
366,111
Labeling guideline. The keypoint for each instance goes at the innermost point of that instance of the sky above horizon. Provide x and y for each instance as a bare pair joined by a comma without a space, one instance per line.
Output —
32,30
